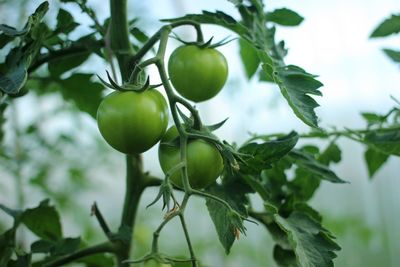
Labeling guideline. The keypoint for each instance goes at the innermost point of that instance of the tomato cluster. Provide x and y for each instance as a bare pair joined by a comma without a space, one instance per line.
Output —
132,122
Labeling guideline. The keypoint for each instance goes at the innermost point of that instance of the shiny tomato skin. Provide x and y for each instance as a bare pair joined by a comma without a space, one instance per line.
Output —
133,122
198,74
204,162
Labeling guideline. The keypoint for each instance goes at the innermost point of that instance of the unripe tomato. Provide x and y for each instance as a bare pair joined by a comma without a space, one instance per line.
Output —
198,74
204,162
132,122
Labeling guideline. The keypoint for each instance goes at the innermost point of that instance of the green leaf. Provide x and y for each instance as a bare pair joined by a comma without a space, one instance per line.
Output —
42,246
374,160
266,75
65,22
261,156
285,17
387,27
85,93
393,54
4,40
312,166
387,142
66,246
332,154
139,34
23,260
33,21
257,186
43,221
372,118
3,107
14,79
61,65
284,258
7,245
296,86
249,56
312,244
227,223
305,182
18,60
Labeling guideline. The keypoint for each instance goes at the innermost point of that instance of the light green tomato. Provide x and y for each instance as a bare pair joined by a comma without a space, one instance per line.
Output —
198,74
204,162
133,122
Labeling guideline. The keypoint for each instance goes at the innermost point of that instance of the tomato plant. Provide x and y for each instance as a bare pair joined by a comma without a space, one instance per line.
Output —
276,170
133,122
204,162
197,73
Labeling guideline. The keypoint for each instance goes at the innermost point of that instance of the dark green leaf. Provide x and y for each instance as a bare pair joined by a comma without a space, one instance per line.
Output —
249,56
11,31
332,154
393,54
3,107
65,22
312,244
16,214
374,160
312,166
284,16
387,27
284,258
32,22
23,260
59,66
43,221
296,86
85,93
66,246
139,34
266,75
4,40
261,156
306,182
14,79
7,244
257,187
387,142
42,246
372,118
227,223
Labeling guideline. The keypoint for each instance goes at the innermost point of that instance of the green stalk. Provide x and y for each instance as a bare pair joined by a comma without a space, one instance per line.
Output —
135,182
119,36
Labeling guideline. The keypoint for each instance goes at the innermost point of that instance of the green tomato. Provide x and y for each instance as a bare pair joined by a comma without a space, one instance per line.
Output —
204,162
198,74
133,122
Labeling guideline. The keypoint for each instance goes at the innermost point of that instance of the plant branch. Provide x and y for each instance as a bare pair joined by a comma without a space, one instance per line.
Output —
74,49
101,248
103,224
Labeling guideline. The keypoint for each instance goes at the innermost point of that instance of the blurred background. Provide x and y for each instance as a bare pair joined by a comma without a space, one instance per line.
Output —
60,154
